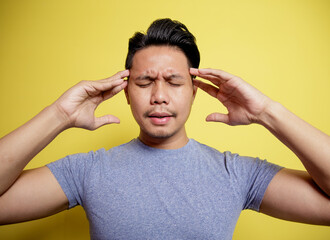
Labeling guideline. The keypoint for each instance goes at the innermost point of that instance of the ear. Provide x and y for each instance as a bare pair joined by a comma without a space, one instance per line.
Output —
126,93
194,91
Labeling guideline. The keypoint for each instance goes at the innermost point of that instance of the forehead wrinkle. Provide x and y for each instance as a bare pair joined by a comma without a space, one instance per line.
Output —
168,73
171,73
148,74
169,70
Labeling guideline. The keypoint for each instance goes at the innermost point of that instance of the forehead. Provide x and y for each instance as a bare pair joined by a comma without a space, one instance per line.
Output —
154,60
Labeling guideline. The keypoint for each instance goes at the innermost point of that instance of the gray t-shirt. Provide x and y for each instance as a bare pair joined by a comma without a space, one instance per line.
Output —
134,191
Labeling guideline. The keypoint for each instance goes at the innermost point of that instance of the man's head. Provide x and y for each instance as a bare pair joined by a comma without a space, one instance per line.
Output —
168,33
160,90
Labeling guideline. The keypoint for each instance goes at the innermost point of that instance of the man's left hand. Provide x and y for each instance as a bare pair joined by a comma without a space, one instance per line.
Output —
245,104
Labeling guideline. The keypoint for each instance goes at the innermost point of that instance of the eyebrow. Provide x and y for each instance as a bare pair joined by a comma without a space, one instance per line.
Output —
167,78
174,76
144,77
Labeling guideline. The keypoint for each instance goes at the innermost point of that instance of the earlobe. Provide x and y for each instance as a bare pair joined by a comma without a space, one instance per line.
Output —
194,91
126,94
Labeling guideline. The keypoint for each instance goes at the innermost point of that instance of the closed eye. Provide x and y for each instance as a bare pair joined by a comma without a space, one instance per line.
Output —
175,80
175,84
144,84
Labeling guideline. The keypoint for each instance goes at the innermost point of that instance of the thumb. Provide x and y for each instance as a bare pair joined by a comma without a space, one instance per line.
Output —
104,120
218,117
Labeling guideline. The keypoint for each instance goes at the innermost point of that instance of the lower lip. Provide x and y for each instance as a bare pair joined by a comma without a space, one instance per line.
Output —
160,121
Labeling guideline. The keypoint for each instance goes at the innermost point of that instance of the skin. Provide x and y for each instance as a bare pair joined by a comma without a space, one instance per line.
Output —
301,196
22,196
161,93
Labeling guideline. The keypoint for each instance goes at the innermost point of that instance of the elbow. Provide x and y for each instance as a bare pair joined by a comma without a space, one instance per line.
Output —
323,184
325,189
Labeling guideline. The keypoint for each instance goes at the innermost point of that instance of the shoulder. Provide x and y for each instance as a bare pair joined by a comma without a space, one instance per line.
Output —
87,159
196,146
233,162
215,153
103,153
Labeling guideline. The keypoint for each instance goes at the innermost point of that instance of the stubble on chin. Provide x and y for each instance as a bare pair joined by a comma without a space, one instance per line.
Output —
160,134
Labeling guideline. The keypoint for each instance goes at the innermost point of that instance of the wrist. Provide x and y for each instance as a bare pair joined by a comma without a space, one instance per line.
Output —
270,114
58,117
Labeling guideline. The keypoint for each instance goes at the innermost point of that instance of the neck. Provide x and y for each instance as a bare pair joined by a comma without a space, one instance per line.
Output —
176,141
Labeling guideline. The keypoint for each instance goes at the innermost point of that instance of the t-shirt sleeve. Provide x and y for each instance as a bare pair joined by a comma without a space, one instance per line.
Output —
252,177
71,173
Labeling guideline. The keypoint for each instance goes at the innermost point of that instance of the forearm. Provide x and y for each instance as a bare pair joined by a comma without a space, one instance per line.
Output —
310,144
21,145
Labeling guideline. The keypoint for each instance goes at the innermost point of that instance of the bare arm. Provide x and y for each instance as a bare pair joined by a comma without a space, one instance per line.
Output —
35,194
310,145
21,145
75,108
247,105
293,195
296,195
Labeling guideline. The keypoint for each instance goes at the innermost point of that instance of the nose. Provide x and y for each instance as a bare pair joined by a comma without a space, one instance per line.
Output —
159,93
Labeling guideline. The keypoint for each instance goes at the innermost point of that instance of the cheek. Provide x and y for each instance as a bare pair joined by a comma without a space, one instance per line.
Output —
131,94
184,96
137,101
183,103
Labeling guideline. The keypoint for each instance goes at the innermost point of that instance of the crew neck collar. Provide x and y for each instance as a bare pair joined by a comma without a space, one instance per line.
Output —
168,151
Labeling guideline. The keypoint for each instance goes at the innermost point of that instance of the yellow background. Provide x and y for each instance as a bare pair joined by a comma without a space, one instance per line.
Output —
281,47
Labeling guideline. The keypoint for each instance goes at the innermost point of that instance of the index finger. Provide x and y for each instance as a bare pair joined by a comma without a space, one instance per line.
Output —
212,74
118,75
111,82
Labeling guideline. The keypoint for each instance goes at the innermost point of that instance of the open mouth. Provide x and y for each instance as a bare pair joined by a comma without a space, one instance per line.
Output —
160,118
160,115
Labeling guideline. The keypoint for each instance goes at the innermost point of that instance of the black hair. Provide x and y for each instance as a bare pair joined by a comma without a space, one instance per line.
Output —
165,32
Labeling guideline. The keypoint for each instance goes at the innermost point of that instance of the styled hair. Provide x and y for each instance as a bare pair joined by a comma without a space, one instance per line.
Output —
165,32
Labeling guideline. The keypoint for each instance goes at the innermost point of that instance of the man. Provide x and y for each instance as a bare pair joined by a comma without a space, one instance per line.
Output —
164,185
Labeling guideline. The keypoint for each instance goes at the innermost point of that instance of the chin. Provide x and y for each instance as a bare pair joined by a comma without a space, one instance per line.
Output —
160,134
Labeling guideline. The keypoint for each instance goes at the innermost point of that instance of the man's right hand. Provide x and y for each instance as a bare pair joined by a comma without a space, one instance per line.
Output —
36,193
77,105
